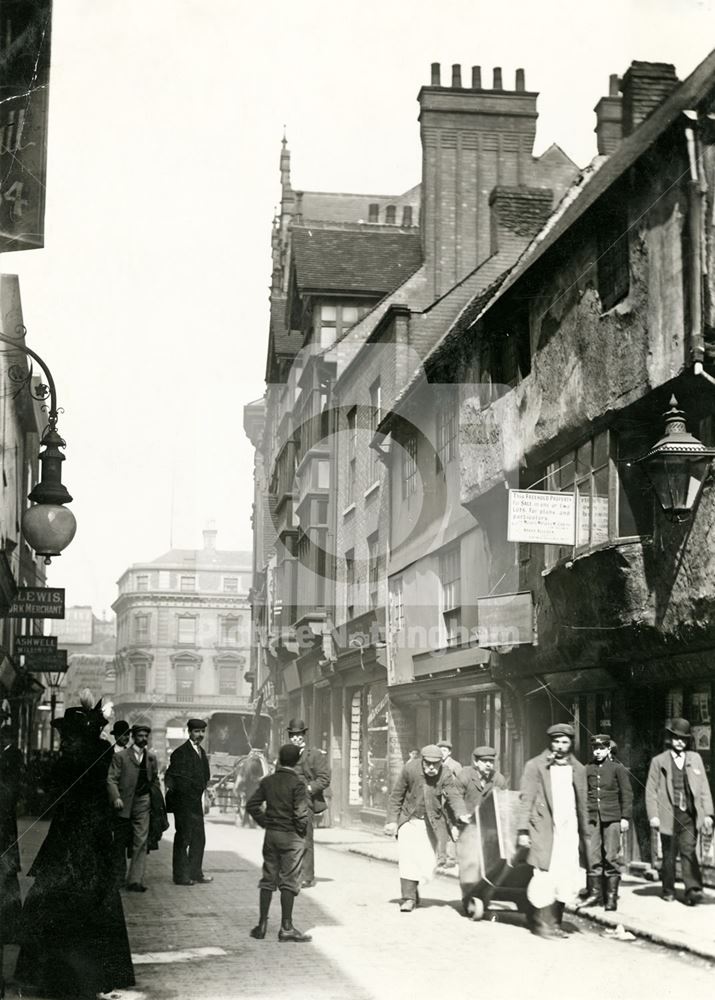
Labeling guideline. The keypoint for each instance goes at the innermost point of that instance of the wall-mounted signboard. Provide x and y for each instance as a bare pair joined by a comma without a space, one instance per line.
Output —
38,602
505,620
49,663
542,516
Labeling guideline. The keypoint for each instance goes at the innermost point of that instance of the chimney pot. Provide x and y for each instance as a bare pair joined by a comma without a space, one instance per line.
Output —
614,85
645,86
520,80
476,77
435,75
456,75
497,78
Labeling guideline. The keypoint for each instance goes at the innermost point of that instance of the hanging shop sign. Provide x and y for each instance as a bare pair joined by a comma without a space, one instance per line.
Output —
38,602
50,663
24,92
506,620
29,644
542,516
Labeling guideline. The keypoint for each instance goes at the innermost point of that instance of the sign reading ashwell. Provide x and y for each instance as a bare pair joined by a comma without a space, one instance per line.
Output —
38,602
29,644
505,620
542,516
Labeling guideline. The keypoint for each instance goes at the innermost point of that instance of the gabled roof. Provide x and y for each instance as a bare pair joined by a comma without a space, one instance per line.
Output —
354,259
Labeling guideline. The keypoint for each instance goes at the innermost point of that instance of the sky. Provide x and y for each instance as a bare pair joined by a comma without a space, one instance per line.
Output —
149,301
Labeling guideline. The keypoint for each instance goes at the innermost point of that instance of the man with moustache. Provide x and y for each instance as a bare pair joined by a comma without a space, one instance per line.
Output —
186,779
312,766
132,772
553,825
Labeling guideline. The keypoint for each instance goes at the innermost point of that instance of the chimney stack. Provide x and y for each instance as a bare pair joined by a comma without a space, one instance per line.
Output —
435,75
645,86
518,213
520,80
609,118
210,537
456,75
473,140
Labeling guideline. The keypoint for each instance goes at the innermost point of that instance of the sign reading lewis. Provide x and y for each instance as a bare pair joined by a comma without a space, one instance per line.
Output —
38,602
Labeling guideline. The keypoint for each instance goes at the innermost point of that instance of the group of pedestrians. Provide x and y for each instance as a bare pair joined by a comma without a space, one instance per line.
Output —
571,819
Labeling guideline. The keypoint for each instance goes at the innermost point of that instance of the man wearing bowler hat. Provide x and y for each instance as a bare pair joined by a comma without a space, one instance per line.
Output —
132,772
312,766
186,779
478,781
121,733
679,805
553,826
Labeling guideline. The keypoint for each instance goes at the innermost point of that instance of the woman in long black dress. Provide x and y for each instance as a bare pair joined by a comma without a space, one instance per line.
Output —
10,774
73,934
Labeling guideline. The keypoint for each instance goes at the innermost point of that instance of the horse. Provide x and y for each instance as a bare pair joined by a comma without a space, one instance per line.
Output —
249,771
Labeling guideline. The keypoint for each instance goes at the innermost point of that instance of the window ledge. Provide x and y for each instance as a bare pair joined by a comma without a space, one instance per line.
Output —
349,510
371,489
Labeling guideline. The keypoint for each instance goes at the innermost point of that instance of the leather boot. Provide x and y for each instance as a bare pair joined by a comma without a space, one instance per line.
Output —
288,932
557,908
259,931
542,923
612,883
593,895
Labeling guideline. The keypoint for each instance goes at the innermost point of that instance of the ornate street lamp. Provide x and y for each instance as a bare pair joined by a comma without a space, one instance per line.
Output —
48,526
676,466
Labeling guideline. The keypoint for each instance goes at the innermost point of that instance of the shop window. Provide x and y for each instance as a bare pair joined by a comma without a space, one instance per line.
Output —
612,500
374,763
700,720
450,573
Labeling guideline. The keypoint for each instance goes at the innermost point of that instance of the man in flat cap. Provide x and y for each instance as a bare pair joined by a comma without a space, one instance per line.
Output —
553,825
416,812
132,772
610,810
186,779
445,844
280,806
477,782
312,766
680,805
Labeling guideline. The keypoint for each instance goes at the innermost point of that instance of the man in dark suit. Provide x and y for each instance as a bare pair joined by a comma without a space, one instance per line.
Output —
679,804
313,768
132,772
186,779
553,826
610,810
280,806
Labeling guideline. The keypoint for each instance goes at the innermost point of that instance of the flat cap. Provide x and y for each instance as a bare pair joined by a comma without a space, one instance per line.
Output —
196,724
484,752
141,727
561,729
431,752
602,739
445,743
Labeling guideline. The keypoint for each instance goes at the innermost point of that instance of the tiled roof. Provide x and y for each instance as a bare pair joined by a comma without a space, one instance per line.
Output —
205,557
343,260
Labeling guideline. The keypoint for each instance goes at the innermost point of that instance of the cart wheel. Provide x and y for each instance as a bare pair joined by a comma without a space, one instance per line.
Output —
473,907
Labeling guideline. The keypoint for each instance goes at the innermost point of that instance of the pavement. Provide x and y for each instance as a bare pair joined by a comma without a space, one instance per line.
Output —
641,911
193,943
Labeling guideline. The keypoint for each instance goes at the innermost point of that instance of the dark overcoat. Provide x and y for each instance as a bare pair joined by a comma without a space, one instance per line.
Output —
440,796
536,808
313,768
186,779
659,789
469,781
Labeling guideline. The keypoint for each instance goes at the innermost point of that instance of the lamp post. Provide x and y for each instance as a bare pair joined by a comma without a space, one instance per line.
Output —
48,526
676,466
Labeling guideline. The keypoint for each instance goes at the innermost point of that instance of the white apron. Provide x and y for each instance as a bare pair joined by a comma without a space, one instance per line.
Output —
417,851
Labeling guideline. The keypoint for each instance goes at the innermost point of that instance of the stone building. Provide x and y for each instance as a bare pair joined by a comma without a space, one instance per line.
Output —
183,641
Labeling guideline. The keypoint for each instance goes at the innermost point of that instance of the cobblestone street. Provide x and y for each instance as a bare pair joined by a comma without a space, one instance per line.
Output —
363,948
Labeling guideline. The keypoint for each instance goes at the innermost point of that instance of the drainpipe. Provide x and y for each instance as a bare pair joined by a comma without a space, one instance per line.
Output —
696,196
